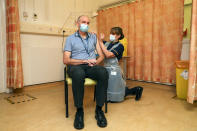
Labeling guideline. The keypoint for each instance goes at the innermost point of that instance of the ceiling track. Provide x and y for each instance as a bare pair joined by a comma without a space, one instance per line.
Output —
118,3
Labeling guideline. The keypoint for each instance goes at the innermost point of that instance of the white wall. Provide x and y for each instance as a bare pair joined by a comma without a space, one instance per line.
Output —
185,49
42,59
58,12
3,47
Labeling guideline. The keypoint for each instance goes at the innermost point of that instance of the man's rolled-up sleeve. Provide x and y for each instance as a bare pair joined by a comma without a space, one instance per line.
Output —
118,51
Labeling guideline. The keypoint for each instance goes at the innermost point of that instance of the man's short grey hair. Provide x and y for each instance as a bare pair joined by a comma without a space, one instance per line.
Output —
79,18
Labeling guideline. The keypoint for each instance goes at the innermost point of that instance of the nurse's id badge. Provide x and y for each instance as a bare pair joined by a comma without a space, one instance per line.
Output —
113,73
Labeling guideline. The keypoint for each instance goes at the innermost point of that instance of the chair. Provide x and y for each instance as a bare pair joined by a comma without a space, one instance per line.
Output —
88,82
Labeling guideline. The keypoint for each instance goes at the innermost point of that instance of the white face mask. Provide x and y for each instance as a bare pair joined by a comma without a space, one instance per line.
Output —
84,28
112,37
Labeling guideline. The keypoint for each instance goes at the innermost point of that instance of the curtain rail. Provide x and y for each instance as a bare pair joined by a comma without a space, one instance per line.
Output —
115,4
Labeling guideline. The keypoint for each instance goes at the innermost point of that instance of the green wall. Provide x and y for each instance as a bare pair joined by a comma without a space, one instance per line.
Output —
187,16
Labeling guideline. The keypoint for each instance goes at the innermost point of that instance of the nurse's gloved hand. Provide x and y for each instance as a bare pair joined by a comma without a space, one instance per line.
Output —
93,33
102,36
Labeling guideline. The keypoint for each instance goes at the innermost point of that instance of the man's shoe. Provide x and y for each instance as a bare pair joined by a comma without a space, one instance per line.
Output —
100,117
79,121
139,91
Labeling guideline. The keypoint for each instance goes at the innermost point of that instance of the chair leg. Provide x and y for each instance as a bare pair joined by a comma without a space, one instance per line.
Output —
66,92
66,97
95,93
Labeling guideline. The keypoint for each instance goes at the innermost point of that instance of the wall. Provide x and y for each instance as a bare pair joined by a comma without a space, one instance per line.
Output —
42,59
185,49
56,13
187,23
3,47
41,39
187,16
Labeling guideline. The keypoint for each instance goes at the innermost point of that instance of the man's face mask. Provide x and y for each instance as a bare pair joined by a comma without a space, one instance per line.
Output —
112,37
84,28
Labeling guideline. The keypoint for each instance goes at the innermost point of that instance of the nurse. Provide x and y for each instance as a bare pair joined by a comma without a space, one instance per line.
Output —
113,51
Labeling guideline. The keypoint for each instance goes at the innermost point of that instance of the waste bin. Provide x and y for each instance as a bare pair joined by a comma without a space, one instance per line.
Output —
182,73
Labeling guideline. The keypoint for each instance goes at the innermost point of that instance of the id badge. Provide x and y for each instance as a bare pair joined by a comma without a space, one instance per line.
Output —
113,73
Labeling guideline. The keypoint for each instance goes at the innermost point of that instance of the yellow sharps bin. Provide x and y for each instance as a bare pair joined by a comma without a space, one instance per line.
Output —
182,73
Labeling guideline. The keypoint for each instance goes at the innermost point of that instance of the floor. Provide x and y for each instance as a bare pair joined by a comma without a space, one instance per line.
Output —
158,110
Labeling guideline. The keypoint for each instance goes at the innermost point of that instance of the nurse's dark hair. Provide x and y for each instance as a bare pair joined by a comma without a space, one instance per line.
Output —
117,31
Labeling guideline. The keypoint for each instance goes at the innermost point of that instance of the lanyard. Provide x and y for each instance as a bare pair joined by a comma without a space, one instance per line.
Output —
84,44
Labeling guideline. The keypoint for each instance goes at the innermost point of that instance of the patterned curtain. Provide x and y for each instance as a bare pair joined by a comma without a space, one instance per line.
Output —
14,59
154,32
192,90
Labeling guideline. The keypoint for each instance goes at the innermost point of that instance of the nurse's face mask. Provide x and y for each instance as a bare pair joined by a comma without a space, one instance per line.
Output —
112,37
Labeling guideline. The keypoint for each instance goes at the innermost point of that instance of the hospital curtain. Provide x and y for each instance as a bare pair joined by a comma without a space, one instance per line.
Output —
192,90
154,32
14,59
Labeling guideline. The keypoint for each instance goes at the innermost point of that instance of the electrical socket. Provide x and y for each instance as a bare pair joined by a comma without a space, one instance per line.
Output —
25,15
35,17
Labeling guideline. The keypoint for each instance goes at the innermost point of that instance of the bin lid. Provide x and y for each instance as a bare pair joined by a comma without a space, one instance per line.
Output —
182,64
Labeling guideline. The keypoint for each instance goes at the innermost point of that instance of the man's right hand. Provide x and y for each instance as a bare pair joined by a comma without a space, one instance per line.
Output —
90,62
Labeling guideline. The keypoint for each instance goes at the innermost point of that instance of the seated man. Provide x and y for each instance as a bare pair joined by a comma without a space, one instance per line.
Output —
80,57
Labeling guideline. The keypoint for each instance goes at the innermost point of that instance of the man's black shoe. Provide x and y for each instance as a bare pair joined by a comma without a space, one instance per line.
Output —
79,121
100,117
139,91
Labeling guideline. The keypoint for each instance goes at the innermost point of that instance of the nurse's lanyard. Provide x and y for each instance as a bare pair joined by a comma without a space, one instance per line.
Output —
84,44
